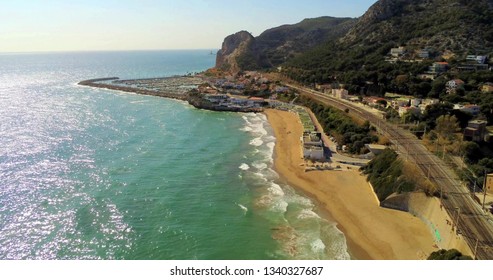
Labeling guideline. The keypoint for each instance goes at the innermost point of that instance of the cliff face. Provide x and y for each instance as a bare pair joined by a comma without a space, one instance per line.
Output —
242,51
239,52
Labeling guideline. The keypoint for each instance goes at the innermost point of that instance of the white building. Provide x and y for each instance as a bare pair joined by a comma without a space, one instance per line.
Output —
313,147
313,152
216,98
415,102
469,108
397,52
340,93
453,85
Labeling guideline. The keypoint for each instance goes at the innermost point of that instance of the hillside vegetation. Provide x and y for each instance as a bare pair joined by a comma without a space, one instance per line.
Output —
457,27
242,51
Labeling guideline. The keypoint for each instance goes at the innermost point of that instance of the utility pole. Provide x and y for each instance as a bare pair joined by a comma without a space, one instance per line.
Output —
484,189
474,190
457,220
476,249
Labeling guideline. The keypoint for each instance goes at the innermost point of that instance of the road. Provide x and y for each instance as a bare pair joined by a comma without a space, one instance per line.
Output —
469,219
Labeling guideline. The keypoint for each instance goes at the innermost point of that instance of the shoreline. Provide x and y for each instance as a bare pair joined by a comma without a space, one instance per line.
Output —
371,232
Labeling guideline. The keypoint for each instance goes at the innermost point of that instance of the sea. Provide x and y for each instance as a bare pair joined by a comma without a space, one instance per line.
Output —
97,174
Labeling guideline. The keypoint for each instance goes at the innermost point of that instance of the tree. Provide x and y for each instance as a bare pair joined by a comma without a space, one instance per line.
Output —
446,127
382,103
451,254
437,88
433,112
471,151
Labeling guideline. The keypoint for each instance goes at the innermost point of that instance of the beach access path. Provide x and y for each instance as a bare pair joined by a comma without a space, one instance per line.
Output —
371,232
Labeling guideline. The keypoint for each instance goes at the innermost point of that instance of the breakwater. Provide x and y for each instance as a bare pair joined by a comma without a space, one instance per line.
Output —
181,88
98,83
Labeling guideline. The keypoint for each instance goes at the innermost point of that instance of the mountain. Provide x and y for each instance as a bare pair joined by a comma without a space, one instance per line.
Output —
275,46
287,41
459,27
239,52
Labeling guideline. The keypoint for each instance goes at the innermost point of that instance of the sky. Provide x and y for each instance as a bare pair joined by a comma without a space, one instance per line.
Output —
89,25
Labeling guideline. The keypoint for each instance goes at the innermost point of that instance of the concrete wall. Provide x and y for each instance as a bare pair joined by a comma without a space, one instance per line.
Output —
428,209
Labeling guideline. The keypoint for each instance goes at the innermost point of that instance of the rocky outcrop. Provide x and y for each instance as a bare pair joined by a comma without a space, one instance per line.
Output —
242,51
239,52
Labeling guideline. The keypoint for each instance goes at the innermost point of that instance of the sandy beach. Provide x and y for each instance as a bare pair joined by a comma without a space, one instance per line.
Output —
372,232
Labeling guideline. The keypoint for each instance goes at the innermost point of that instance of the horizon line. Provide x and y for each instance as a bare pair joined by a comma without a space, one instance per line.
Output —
89,51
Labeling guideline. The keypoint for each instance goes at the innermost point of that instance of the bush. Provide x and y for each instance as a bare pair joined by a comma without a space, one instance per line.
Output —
385,173
451,254
340,125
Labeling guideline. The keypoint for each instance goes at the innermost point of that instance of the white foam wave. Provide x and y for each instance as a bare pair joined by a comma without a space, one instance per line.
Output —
245,209
244,167
276,190
307,214
317,246
257,142
246,129
260,165
279,206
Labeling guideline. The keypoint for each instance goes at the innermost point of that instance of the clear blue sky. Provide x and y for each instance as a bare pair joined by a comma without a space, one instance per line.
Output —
79,25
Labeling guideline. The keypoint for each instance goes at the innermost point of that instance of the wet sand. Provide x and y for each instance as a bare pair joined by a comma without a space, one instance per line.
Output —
371,232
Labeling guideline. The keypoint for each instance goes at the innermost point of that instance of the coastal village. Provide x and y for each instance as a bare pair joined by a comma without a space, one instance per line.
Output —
254,91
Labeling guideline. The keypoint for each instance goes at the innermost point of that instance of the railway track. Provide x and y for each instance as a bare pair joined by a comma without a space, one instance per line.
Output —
469,219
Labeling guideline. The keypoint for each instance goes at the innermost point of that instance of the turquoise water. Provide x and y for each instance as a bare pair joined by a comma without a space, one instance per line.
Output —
96,174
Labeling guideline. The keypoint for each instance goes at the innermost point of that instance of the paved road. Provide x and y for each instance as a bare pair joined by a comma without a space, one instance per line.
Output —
468,217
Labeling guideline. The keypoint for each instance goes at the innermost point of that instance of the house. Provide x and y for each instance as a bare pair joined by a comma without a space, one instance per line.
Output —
488,87
427,102
439,67
313,145
313,152
423,54
415,102
453,85
400,102
216,98
323,87
427,76
340,93
281,89
469,108
374,101
430,101
256,101
412,110
239,101
312,138
397,52
475,131
479,59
